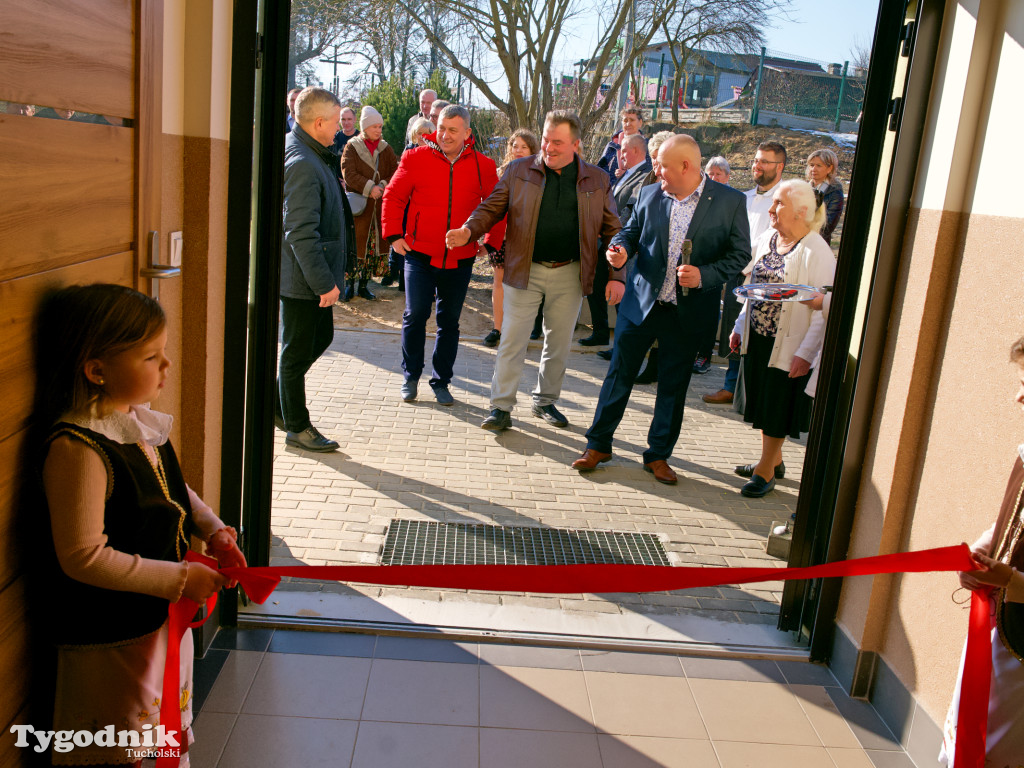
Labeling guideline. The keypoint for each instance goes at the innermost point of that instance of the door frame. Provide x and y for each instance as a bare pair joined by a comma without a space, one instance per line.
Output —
846,385
850,368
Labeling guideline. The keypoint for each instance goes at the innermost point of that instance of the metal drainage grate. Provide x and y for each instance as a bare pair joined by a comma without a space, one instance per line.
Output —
417,542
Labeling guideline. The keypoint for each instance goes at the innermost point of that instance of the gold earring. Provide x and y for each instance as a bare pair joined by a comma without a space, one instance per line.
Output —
101,381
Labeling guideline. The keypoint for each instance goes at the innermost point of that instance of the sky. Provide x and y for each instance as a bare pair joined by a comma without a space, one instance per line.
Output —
822,30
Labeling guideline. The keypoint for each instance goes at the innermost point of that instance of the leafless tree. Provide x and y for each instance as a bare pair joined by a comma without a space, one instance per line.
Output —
860,53
316,26
524,36
733,26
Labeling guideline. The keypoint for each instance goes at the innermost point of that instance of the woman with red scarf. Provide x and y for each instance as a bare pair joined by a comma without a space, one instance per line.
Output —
367,165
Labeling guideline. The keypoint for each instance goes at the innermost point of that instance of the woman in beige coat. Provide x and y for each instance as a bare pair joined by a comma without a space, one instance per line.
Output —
367,165
780,341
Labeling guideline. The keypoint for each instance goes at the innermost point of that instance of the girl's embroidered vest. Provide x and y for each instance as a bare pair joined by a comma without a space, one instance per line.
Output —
140,519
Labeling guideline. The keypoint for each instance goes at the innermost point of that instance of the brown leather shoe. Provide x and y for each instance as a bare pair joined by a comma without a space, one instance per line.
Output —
662,472
721,397
590,459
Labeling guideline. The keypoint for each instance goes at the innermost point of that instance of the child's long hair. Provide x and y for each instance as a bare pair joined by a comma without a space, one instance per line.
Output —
528,137
81,323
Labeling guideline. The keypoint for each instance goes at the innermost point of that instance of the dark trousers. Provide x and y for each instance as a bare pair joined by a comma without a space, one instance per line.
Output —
307,329
424,283
596,301
678,335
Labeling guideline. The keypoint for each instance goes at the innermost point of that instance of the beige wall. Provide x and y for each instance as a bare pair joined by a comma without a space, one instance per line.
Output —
945,428
196,101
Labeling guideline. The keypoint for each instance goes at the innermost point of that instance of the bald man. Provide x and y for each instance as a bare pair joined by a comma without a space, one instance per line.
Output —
668,298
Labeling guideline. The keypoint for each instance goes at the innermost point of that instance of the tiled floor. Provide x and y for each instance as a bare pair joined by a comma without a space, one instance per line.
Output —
284,699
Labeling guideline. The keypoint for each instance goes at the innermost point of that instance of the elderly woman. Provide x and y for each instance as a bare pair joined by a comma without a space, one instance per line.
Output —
780,339
822,167
367,165
420,128
718,169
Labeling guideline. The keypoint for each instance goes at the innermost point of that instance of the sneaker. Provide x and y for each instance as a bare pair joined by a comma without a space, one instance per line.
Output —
701,364
310,439
551,415
498,421
443,396
492,338
409,389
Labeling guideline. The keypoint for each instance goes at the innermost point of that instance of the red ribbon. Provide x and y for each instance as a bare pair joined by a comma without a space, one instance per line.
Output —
179,619
259,583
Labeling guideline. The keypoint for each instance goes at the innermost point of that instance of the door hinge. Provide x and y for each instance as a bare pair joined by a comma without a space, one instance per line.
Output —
259,51
907,37
895,107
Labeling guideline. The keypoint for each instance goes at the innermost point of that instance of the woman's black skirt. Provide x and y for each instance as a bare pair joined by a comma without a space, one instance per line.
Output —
776,404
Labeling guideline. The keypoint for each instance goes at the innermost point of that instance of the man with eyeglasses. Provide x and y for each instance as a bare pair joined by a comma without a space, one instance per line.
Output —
766,171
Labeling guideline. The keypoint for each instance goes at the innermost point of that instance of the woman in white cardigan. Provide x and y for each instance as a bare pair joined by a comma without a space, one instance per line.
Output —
779,340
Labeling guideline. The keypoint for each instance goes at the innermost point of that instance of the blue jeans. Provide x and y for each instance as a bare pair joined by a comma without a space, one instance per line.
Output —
424,283
731,375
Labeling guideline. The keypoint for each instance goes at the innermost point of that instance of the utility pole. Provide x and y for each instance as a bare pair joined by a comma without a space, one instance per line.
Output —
335,83
842,92
628,46
757,89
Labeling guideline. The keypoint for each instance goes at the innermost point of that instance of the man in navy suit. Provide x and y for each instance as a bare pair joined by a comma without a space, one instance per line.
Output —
667,298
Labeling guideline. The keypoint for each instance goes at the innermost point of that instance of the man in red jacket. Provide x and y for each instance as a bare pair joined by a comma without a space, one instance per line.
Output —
441,183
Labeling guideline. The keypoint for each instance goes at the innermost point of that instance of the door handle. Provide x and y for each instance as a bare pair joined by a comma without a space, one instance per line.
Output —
157,271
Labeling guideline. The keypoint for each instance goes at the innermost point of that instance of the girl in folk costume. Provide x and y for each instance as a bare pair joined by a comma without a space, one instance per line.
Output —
1001,550
121,516
367,165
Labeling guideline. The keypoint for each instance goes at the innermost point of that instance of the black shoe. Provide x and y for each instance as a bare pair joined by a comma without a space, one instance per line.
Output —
492,338
387,281
443,396
551,415
747,470
649,375
364,291
350,290
595,340
498,421
409,389
536,333
279,422
758,487
701,364
311,440
605,354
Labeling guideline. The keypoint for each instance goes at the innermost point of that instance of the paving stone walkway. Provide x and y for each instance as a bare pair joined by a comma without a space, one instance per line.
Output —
422,461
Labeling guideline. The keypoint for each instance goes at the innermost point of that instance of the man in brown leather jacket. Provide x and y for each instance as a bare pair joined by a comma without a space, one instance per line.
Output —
559,208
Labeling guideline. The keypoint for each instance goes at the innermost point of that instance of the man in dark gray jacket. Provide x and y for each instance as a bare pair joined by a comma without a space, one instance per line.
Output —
318,237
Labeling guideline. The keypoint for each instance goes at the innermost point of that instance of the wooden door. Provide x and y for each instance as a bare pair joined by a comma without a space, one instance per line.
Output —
75,194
